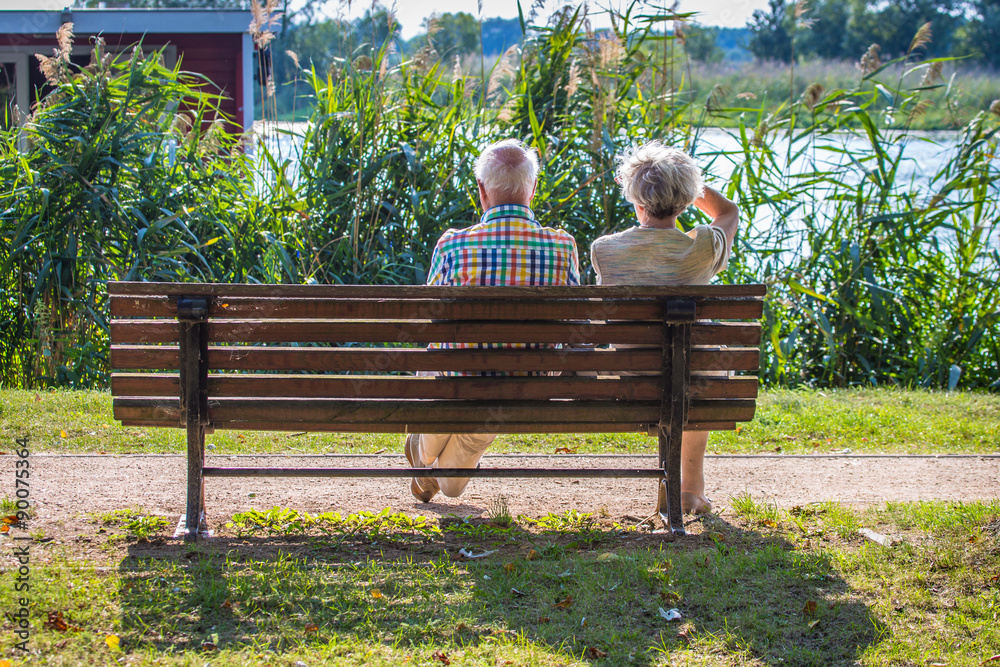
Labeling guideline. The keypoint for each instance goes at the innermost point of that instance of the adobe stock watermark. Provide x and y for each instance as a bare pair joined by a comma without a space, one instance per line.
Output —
22,572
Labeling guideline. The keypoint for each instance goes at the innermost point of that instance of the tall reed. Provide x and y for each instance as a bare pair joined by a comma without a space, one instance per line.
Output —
874,277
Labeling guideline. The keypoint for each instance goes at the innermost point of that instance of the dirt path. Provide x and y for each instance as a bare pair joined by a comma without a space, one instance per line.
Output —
68,487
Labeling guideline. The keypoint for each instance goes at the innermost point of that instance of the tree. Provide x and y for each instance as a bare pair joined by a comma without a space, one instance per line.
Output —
982,33
453,34
825,37
770,32
700,44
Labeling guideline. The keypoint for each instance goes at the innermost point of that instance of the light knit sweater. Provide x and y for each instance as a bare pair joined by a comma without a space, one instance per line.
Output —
648,256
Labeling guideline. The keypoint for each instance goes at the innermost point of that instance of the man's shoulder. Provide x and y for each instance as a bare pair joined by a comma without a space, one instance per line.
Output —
505,228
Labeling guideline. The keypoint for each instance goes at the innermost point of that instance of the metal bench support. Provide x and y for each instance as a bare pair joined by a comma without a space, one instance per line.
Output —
192,316
678,315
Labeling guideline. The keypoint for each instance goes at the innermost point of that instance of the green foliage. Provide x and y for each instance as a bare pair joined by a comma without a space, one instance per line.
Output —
291,522
874,278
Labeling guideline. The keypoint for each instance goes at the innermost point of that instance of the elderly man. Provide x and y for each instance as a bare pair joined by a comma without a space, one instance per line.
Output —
506,247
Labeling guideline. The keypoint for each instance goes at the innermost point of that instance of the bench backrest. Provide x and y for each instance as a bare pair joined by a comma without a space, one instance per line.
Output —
342,358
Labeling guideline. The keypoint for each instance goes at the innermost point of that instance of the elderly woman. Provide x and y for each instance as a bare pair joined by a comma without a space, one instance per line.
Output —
661,182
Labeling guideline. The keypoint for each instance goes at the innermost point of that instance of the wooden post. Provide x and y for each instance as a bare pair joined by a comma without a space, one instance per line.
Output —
192,316
678,314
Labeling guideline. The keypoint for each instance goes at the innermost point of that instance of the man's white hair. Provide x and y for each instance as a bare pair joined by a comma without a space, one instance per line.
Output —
508,170
662,180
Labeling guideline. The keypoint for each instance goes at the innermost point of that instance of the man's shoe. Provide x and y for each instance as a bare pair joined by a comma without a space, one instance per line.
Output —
422,488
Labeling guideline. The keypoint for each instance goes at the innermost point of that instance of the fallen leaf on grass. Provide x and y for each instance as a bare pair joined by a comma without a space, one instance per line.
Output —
113,642
532,555
509,567
63,434
594,653
55,621
4,663
226,605
377,594
311,627
208,647
607,556
543,619
810,608
565,603
813,623
517,593
442,657
565,450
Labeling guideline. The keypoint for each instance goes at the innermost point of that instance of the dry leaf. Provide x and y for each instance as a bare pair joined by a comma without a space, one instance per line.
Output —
55,620
441,656
543,619
509,567
461,627
812,624
770,524
113,642
565,450
377,594
564,603
311,627
594,653
4,663
208,647
63,434
10,519
226,605
532,555
810,608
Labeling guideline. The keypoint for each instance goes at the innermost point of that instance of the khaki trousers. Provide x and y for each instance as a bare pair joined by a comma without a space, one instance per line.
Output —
451,450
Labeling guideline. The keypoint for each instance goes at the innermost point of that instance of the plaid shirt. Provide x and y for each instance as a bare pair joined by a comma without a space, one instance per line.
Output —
507,247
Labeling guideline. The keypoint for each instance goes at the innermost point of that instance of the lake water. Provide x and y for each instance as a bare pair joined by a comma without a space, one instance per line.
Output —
719,151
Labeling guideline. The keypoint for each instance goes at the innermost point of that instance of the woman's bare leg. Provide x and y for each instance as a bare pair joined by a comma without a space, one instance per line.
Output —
693,500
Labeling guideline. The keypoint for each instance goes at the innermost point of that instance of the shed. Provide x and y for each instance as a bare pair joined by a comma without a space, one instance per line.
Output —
212,42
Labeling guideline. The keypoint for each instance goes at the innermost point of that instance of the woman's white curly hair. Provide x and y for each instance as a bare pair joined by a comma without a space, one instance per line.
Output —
662,180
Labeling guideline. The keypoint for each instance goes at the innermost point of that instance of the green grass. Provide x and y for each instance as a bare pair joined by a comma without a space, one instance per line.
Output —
805,591
792,422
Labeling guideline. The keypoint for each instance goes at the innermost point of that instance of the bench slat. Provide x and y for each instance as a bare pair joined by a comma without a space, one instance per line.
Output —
484,414
334,359
428,291
509,427
424,309
389,331
362,386
136,332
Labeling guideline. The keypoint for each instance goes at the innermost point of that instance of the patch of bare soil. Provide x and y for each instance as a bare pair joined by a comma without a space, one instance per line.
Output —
68,490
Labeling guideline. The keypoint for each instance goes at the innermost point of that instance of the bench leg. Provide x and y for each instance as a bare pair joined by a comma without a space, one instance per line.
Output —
668,497
195,521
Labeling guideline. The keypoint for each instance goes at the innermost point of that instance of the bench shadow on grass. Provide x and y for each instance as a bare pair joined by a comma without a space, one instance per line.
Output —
588,591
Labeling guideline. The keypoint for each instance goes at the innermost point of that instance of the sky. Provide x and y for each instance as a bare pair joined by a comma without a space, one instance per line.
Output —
411,13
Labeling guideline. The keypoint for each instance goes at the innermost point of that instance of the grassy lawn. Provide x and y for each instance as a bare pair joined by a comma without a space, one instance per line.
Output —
793,422
754,586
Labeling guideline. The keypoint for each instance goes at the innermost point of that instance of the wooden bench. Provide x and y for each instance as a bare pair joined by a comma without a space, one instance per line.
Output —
343,358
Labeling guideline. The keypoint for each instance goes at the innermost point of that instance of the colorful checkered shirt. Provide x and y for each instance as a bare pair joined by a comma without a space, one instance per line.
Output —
507,247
